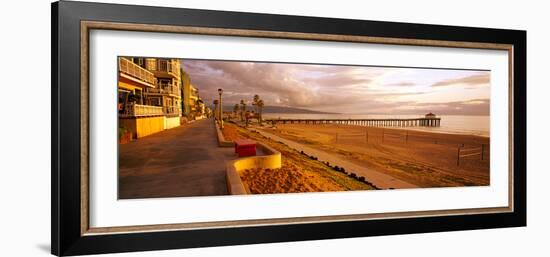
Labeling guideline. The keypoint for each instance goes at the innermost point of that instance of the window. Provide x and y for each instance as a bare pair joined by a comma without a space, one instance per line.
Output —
162,64
164,83
139,96
155,101
139,61
122,99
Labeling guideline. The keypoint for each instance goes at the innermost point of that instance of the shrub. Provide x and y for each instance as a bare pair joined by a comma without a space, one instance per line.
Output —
362,179
353,175
121,131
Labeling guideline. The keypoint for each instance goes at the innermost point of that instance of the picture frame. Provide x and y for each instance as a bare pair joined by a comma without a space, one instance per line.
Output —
71,26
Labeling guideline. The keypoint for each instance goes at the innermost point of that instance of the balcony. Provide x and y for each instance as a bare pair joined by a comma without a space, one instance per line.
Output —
136,73
138,110
165,89
171,110
167,69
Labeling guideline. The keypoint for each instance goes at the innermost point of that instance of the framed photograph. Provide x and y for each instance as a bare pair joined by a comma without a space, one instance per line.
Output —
178,128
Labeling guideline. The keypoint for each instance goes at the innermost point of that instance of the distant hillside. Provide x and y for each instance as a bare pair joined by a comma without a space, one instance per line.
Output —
280,109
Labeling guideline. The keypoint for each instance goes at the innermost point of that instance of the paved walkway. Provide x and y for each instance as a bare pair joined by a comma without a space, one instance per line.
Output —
183,161
379,179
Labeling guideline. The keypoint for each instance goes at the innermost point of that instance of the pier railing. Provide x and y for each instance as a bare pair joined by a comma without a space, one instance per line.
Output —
410,122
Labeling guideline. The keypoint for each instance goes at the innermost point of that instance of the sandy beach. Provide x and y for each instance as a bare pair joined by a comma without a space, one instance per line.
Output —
421,158
299,173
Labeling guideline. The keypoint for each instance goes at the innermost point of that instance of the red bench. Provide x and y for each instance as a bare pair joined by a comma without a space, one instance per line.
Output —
245,147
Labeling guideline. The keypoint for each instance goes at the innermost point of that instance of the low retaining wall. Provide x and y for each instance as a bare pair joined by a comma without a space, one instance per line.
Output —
272,160
143,126
221,139
172,122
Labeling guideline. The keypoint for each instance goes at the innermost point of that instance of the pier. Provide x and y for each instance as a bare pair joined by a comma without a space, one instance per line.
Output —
411,122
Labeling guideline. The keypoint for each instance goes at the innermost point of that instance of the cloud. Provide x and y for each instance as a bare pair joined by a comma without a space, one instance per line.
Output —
468,107
401,84
386,93
473,80
283,84
342,89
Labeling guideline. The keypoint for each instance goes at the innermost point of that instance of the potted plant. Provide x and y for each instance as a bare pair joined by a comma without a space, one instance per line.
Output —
124,135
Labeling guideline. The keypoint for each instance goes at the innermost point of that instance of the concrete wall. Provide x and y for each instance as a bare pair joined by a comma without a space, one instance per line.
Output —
272,160
143,126
222,142
171,122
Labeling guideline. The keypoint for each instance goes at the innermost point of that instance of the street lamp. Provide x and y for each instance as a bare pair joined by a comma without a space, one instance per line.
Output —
220,91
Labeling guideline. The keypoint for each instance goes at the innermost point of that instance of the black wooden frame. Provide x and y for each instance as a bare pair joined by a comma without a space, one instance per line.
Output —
66,206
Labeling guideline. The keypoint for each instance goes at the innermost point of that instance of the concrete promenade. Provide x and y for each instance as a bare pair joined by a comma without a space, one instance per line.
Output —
381,180
183,161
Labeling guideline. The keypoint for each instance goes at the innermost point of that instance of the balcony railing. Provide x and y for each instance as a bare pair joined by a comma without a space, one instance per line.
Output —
165,88
138,110
134,70
171,110
169,66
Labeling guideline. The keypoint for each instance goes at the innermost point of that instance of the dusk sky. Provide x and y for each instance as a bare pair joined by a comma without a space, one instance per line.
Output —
344,89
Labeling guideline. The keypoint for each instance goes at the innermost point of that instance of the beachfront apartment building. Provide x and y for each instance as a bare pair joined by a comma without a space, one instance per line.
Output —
149,95
192,105
201,110
134,114
167,93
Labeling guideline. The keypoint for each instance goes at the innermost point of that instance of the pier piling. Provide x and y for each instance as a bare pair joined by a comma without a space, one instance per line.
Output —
411,122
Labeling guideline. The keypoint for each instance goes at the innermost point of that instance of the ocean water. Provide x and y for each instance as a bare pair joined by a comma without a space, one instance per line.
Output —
455,124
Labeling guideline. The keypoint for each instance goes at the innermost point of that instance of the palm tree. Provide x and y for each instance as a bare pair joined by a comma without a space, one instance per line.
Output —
243,109
260,105
255,102
215,108
236,109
